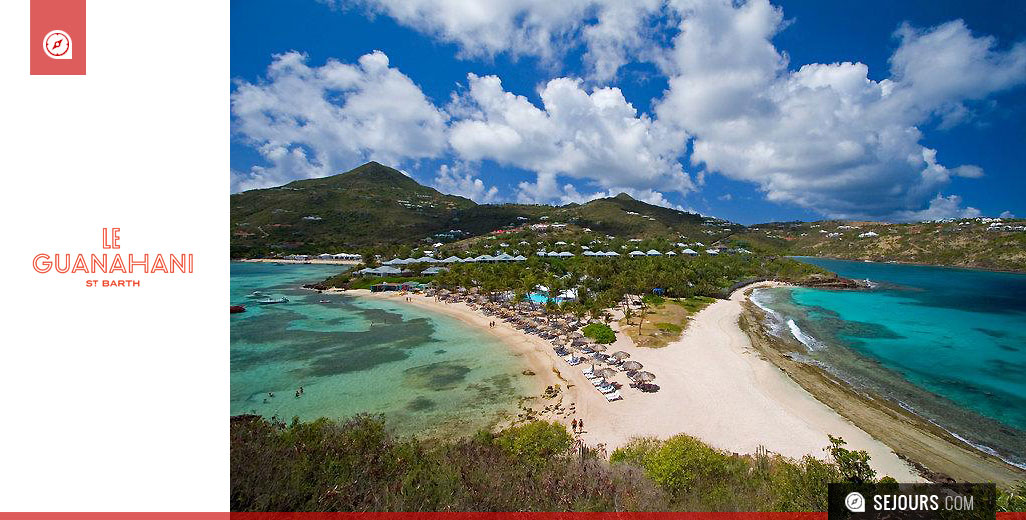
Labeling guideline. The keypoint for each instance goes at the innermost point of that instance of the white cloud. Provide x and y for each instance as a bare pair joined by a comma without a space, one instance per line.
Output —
726,197
456,180
611,30
597,136
1007,214
825,137
940,208
315,121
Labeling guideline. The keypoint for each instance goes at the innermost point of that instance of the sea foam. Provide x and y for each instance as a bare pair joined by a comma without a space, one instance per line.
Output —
810,342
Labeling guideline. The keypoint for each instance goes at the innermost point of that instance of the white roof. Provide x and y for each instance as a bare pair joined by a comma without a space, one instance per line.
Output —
637,253
712,251
426,259
653,252
451,259
671,253
611,253
690,251
519,258
565,254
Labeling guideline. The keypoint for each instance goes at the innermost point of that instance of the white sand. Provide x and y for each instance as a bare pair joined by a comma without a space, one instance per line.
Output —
713,385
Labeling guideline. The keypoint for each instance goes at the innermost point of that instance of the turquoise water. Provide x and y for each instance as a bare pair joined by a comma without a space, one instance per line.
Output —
537,297
949,344
427,373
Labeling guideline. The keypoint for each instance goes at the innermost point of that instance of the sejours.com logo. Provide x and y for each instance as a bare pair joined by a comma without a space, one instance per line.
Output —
926,501
112,262
57,45
855,502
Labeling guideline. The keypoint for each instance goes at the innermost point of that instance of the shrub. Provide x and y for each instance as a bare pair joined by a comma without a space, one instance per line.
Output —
535,442
600,332
854,465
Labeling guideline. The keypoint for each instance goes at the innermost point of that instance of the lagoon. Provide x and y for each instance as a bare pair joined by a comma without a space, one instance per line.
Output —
948,344
427,373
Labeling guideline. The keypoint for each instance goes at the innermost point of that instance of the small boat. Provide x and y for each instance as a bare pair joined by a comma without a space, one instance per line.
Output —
324,301
235,309
269,301
256,294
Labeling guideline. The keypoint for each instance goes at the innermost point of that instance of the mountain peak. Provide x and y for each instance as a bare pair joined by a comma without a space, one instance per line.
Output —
623,196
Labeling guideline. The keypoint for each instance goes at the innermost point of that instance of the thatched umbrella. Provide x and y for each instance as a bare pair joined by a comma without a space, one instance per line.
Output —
644,377
621,355
598,347
631,365
606,373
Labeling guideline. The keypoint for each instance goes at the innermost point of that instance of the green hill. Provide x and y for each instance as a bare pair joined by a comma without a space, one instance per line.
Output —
372,204
973,242
376,205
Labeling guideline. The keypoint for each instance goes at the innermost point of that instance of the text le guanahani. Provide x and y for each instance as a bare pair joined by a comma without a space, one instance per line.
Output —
107,263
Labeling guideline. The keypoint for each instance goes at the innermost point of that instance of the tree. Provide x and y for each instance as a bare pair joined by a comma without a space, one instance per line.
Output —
854,465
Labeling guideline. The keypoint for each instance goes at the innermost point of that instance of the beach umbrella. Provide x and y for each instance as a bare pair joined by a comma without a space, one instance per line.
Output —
598,347
644,377
631,365
621,355
606,373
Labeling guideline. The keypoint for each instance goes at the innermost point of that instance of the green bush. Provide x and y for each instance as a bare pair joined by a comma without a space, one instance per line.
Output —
1012,500
678,463
535,442
600,332
854,465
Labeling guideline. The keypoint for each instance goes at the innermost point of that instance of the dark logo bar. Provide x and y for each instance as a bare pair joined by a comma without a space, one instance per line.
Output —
912,501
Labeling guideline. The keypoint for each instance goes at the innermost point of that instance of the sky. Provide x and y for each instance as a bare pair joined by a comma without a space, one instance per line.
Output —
753,111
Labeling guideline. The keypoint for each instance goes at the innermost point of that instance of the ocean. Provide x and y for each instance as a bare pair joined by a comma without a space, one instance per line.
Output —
427,373
947,344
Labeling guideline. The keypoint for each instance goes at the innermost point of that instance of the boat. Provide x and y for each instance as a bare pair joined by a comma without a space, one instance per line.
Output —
256,294
235,309
269,301
324,301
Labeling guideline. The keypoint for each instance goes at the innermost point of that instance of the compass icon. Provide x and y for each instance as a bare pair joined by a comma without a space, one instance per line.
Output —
57,45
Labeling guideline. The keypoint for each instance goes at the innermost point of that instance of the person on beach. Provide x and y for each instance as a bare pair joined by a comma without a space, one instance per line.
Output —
573,425
580,425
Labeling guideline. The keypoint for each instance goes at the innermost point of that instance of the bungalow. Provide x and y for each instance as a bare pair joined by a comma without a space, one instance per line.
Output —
712,251
386,287
690,252
637,253
653,252
433,270
379,271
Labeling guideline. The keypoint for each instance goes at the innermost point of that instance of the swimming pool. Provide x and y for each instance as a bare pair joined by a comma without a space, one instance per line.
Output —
537,297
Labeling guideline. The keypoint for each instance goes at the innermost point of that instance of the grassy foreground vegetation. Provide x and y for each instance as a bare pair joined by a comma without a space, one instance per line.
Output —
359,465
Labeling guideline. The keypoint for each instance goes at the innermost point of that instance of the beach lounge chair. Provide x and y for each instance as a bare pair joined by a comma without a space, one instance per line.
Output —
598,381
613,396
606,388
588,372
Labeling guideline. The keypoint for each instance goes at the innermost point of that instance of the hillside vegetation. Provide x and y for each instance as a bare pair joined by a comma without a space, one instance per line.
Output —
379,210
358,465
981,243
375,205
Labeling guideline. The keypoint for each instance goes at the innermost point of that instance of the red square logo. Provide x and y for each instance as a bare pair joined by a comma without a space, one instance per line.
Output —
58,37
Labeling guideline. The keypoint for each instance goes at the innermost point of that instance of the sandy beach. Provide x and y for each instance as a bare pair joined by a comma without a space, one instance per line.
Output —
713,385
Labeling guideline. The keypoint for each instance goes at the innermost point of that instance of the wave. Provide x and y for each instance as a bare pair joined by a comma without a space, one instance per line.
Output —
981,447
810,342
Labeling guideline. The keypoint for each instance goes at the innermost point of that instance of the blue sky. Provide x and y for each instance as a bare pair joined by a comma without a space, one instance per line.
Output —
751,111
